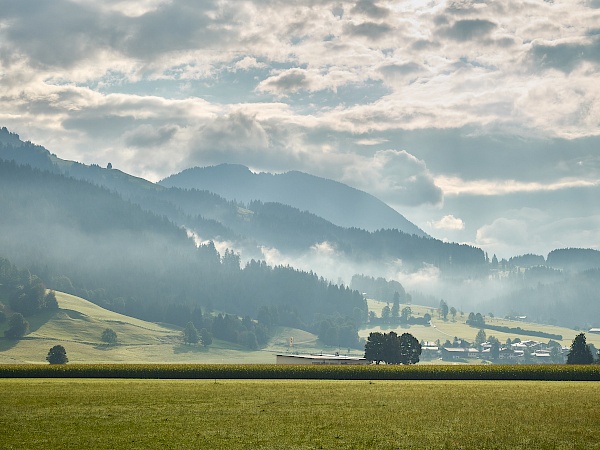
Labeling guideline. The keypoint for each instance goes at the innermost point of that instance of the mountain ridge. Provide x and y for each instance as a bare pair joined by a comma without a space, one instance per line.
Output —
336,202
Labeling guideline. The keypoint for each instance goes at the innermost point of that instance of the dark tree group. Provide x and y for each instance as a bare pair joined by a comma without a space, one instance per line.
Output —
392,349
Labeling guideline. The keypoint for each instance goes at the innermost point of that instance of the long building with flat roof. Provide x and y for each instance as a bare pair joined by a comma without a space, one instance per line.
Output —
321,359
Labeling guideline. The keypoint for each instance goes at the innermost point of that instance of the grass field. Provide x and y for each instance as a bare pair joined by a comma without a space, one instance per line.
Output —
78,326
448,329
295,414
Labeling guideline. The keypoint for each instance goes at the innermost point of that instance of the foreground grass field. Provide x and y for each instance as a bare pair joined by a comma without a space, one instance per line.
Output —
224,414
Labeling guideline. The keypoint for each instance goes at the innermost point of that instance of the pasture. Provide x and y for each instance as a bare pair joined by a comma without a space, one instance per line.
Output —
300,414
448,329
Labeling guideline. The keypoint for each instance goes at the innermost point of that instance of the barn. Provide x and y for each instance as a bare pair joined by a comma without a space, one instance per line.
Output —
320,359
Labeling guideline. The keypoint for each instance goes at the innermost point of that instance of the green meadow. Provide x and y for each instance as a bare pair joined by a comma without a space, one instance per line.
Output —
297,414
79,324
448,329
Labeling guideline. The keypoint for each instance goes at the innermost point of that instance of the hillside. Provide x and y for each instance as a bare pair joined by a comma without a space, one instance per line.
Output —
335,202
87,241
448,329
122,242
250,228
79,324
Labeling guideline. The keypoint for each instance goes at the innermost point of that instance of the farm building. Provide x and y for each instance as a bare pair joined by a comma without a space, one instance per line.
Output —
449,353
320,359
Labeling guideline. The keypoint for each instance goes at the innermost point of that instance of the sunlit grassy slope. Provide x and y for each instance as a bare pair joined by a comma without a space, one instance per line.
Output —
450,328
79,324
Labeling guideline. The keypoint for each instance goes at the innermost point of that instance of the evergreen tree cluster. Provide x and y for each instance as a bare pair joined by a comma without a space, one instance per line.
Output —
87,241
380,288
26,293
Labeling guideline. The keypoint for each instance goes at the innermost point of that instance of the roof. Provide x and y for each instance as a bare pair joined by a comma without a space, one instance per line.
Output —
324,357
460,350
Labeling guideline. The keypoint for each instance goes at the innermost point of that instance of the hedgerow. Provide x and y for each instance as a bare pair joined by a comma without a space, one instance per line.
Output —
372,372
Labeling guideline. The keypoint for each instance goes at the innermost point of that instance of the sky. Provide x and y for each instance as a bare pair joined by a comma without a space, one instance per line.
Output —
479,121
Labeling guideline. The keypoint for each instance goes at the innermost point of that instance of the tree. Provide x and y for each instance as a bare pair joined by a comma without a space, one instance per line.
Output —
481,337
495,351
580,353
206,337
444,309
374,347
190,334
50,301
556,355
392,349
396,309
109,336
17,327
57,355
410,349
385,314
406,313
453,313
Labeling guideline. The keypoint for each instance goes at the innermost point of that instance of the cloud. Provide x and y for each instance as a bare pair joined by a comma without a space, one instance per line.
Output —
469,29
370,9
395,176
448,222
370,30
533,231
456,186
248,63
287,82
148,136
237,132
502,232
424,104
565,56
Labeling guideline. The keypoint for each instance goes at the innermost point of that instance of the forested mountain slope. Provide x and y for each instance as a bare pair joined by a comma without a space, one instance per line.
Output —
252,226
336,202
83,239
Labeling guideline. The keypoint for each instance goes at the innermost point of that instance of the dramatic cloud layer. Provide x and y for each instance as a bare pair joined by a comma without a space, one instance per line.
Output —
459,114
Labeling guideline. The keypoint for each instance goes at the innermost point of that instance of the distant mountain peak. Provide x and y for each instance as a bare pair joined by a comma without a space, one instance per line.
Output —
336,202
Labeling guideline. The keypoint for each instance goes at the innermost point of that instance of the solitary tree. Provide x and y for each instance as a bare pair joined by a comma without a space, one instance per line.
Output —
57,355
190,334
17,327
109,336
580,353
